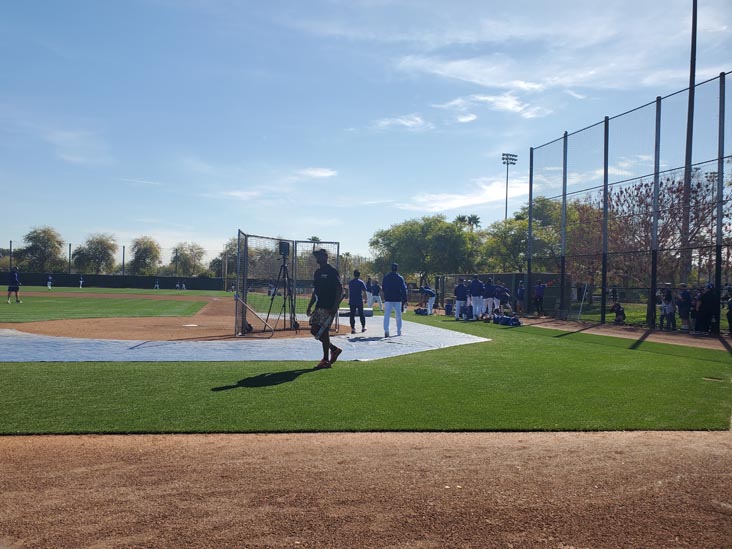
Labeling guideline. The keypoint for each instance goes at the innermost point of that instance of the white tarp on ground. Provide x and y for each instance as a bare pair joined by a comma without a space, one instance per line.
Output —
17,346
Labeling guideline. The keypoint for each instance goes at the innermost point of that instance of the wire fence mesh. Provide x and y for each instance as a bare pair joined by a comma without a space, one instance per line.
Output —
621,217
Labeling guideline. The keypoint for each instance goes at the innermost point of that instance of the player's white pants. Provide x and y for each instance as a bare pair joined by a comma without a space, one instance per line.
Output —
396,306
430,304
459,306
369,299
477,306
492,303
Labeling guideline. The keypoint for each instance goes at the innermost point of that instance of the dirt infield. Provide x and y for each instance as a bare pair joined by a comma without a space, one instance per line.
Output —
420,490
557,490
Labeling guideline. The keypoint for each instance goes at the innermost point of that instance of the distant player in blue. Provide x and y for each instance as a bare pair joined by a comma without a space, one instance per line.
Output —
477,289
520,294
356,291
376,294
429,296
539,298
14,285
502,296
490,300
395,296
369,292
49,283
461,298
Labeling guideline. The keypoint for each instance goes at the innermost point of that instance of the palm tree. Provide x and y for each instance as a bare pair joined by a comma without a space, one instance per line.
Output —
473,222
461,220
314,240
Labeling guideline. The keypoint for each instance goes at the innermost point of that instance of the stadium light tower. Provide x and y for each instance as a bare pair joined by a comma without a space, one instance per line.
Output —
509,160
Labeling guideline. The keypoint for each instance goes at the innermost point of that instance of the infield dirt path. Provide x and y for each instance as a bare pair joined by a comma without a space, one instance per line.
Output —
421,490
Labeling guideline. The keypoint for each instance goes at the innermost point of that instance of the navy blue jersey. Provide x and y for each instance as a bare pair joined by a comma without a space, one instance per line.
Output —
395,289
356,287
476,288
461,292
429,292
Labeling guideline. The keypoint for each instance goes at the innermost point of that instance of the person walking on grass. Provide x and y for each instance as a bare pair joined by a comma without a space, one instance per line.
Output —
327,296
49,283
14,285
356,291
395,297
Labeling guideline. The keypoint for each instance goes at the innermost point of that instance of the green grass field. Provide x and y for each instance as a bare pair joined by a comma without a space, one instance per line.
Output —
525,379
51,306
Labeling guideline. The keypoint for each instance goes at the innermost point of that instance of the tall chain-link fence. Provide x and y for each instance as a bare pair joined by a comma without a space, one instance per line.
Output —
620,215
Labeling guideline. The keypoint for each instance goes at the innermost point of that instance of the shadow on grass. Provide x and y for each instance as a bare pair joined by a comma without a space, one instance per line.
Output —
266,380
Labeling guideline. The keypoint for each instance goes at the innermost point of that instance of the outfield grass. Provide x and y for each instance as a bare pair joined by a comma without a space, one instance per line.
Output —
50,307
125,291
525,379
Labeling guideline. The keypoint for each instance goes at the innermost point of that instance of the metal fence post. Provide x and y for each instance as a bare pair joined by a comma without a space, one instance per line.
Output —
651,308
530,236
563,264
720,202
605,194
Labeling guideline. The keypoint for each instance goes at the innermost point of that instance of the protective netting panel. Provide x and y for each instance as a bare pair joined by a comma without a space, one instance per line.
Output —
601,240
275,282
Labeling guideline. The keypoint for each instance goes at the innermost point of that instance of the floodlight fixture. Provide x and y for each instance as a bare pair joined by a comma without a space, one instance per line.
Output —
509,160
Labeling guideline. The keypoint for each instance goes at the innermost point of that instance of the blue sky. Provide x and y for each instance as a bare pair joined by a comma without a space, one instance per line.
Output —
186,120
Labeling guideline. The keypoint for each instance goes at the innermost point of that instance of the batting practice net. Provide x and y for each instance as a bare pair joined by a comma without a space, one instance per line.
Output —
274,283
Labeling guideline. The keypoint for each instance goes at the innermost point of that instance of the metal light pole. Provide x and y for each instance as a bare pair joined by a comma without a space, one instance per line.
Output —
509,160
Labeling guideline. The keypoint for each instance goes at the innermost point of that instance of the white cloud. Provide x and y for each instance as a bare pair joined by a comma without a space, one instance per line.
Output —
506,102
481,191
465,118
316,173
410,122
79,147
138,182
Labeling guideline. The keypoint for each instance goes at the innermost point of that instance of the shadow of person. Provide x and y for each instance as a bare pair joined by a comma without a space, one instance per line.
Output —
265,380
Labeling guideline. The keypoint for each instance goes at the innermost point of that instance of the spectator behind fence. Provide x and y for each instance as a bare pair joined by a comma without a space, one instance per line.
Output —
684,306
617,308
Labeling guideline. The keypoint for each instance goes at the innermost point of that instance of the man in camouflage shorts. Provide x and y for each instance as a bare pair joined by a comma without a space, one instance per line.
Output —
327,296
